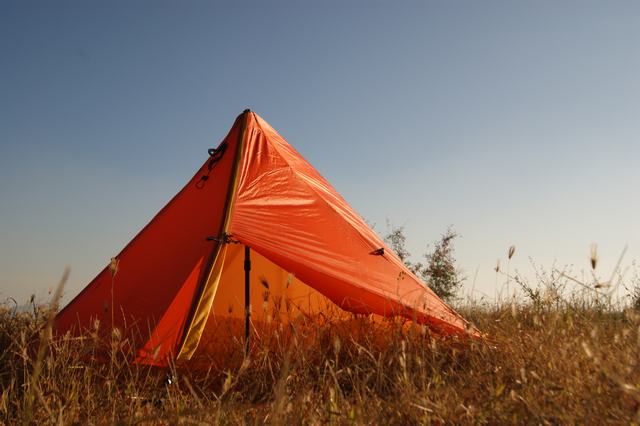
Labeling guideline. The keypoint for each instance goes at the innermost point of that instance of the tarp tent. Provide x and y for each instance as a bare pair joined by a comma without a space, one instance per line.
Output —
185,271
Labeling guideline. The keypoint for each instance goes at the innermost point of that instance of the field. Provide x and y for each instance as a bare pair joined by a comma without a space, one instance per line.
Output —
544,361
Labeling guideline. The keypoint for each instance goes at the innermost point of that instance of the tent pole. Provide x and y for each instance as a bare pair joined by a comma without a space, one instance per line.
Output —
247,301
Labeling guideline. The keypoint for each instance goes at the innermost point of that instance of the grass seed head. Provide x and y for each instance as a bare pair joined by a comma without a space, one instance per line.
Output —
594,256
113,266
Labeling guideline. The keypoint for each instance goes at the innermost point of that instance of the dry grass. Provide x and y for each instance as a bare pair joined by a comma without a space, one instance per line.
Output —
544,364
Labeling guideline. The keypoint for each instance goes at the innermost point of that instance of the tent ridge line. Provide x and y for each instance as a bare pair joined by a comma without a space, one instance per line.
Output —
222,233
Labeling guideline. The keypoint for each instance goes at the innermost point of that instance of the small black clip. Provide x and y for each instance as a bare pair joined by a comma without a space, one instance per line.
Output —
202,181
216,154
378,252
226,239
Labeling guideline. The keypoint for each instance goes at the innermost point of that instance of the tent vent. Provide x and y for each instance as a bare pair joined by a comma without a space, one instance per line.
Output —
378,252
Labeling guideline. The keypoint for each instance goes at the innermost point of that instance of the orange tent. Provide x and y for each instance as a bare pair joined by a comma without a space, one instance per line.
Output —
256,209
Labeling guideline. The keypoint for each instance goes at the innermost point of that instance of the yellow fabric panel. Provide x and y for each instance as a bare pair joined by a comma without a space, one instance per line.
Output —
194,333
195,328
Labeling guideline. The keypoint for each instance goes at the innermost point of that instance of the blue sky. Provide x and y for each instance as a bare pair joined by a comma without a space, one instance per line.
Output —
515,122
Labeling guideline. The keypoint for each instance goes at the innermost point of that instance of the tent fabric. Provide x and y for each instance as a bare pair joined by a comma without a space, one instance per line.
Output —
180,278
286,210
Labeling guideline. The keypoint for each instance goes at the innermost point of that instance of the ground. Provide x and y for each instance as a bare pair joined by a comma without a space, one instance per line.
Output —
540,363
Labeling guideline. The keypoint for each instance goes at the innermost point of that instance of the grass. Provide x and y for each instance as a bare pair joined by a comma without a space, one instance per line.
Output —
547,361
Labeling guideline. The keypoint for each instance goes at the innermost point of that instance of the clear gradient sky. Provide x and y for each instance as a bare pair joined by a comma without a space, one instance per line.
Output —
517,122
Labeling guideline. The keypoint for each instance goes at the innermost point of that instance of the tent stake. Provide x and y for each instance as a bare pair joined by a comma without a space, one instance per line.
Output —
247,306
